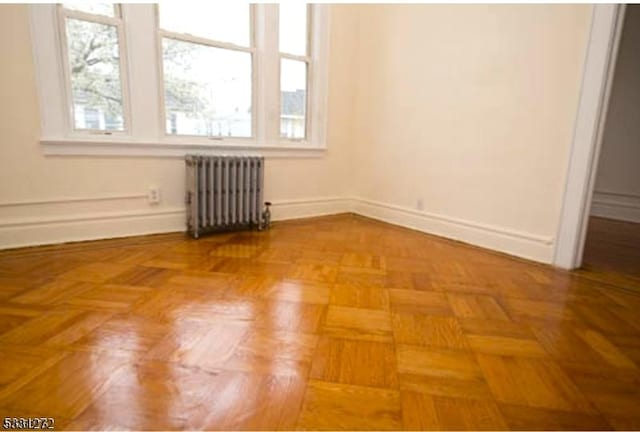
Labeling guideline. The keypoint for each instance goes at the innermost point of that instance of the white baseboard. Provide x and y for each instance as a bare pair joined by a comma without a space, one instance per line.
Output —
618,206
32,231
36,231
297,209
525,245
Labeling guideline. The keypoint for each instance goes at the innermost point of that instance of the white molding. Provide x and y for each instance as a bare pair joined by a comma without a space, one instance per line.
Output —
518,243
141,73
57,220
598,70
616,205
64,200
603,193
296,209
131,148
33,231
49,230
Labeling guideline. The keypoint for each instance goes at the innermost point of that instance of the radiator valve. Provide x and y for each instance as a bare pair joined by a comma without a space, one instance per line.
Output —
265,221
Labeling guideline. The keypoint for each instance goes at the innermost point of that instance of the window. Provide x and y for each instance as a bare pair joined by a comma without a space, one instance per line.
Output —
174,78
93,64
294,69
207,82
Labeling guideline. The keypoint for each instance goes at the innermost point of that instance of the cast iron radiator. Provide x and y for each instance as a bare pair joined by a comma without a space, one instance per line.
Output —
224,193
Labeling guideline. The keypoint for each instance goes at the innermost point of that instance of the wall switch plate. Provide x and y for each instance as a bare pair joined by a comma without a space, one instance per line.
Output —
420,204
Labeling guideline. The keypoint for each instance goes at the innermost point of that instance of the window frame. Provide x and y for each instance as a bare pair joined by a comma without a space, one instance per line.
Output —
117,21
145,131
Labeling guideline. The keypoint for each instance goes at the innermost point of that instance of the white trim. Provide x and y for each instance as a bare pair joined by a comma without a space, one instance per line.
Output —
66,147
296,209
186,37
606,28
64,200
89,226
21,222
618,194
144,88
94,226
518,243
141,75
319,79
34,231
616,205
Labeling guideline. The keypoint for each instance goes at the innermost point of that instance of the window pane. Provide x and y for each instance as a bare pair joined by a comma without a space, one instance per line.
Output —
207,90
225,22
97,8
94,64
293,98
293,28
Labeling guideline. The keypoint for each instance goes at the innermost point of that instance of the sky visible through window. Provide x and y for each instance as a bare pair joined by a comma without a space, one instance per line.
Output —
223,22
98,8
293,28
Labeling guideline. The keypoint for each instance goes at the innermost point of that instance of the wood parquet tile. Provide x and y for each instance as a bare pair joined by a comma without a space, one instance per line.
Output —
532,382
360,324
331,406
428,330
328,323
349,362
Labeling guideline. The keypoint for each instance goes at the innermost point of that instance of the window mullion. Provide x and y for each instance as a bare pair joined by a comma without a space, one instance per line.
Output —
268,73
319,74
142,70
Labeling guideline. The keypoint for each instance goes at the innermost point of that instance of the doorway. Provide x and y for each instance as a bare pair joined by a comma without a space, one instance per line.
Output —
613,230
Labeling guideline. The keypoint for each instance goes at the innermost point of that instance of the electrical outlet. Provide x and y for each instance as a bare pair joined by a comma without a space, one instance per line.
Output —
420,204
154,195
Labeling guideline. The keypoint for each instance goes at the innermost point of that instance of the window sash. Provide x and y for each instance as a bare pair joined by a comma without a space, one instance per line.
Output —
116,21
185,37
307,59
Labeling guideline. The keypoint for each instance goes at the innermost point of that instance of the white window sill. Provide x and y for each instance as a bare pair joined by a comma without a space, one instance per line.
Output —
124,147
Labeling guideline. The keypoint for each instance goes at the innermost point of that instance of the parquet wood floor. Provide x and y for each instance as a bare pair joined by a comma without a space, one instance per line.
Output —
330,323
612,250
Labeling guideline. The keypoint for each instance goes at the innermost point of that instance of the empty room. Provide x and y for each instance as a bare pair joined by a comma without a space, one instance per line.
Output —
293,216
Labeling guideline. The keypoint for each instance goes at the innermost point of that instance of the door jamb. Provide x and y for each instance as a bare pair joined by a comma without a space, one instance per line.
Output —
599,68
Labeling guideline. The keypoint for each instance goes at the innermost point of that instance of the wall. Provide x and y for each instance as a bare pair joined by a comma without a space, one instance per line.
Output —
454,120
53,199
469,109
617,190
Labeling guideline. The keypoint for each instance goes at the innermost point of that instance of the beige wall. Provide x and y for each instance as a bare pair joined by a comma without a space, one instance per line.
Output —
27,175
467,108
617,190
470,109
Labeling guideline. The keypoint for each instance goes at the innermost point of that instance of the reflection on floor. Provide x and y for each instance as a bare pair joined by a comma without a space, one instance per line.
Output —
329,323
612,250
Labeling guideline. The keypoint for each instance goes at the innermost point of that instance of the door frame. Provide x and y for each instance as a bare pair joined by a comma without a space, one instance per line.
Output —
600,61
